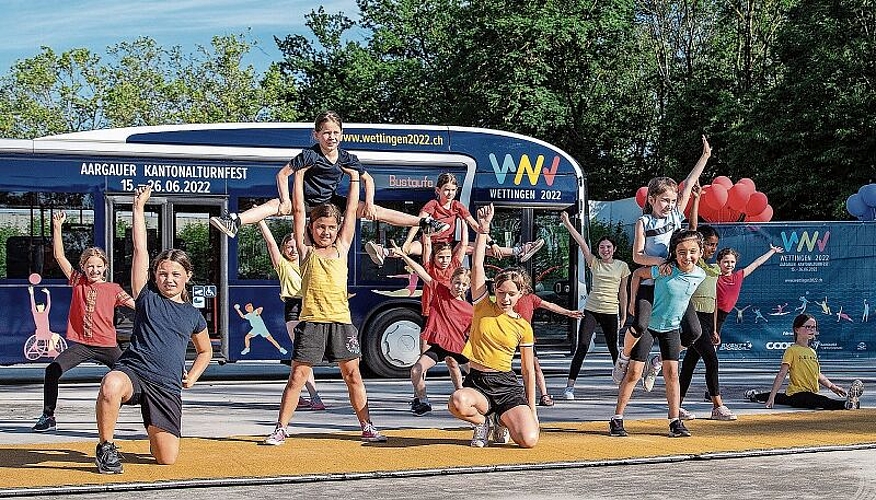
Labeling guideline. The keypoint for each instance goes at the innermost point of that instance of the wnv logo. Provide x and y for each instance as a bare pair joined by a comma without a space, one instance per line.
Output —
524,167
804,240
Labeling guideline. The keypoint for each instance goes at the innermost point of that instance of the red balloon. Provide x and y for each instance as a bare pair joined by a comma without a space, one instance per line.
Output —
738,196
765,216
706,212
717,196
641,196
723,180
757,203
746,180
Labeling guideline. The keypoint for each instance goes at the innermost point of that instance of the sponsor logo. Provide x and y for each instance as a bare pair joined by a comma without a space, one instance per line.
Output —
804,239
828,346
778,346
862,346
735,346
524,167
787,334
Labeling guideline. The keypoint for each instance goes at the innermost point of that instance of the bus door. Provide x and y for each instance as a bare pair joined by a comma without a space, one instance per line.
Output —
175,222
551,268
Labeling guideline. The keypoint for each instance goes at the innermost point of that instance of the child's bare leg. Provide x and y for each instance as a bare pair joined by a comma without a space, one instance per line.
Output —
392,217
539,379
455,372
418,375
625,390
260,212
355,388
673,391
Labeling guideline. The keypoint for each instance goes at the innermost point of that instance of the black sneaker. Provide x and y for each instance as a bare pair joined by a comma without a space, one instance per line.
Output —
616,428
677,429
107,458
430,225
420,408
228,224
45,423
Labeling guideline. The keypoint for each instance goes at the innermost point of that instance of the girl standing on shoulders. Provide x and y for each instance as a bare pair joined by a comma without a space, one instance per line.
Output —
284,258
800,363
491,391
606,304
326,329
151,372
671,299
90,324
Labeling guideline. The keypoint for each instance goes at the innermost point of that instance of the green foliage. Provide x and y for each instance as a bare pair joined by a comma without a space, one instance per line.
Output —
6,231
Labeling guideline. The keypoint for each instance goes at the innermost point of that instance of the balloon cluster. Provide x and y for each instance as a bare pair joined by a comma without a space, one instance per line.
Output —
863,203
723,201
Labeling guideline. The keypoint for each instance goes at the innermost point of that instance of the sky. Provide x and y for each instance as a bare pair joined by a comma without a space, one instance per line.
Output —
26,25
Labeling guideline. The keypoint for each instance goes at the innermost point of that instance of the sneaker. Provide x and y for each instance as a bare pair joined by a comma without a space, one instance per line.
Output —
620,370
370,434
283,351
107,458
501,435
420,408
45,423
375,251
686,415
245,351
569,393
481,434
317,405
303,404
751,395
677,429
527,253
616,428
650,377
853,395
228,224
431,226
277,437
722,413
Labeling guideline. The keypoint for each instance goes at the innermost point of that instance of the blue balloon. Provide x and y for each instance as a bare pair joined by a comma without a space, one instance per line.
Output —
869,215
856,206
868,194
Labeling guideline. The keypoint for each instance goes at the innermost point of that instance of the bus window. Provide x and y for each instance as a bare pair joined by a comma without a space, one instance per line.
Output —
253,261
26,231
393,270
551,273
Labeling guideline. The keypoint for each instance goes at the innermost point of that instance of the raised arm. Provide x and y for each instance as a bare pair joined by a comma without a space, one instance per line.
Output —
695,206
400,253
273,249
478,274
58,243
299,217
760,260
694,174
239,312
283,189
461,248
348,226
140,262
582,243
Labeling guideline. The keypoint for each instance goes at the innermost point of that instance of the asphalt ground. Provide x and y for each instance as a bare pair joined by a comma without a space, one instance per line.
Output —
224,420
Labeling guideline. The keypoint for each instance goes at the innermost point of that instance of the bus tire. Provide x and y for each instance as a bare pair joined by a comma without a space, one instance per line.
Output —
392,343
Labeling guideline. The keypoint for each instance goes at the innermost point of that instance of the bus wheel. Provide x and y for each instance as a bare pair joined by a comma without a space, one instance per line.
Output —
391,343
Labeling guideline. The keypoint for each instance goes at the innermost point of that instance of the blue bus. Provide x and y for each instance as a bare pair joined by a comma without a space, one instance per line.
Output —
199,171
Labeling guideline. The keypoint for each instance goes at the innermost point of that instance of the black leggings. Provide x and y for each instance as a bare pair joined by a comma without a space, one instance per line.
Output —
71,357
804,399
690,325
608,322
704,349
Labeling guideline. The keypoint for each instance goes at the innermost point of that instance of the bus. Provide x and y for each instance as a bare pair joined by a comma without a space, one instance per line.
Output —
200,171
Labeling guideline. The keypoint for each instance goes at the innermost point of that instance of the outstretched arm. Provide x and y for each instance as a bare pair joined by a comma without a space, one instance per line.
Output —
582,243
400,253
695,174
555,308
478,274
239,312
760,260
58,243
273,249
140,262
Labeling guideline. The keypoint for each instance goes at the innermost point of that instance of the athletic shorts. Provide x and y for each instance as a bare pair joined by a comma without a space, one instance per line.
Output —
437,354
291,308
502,390
670,345
332,341
338,201
158,406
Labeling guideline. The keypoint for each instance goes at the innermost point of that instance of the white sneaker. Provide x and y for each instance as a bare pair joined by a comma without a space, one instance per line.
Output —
569,393
686,415
722,413
481,434
650,377
853,395
620,370
751,395
277,437
375,251
527,253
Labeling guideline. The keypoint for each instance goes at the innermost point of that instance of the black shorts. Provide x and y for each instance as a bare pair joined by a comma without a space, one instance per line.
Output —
502,390
338,201
670,345
332,341
437,354
291,308
158,406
